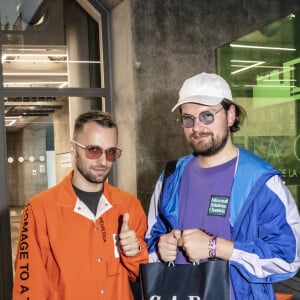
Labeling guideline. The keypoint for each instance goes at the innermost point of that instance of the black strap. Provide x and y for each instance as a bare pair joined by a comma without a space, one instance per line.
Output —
170,168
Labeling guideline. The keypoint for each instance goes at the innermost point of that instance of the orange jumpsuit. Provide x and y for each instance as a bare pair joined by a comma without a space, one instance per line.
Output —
67,253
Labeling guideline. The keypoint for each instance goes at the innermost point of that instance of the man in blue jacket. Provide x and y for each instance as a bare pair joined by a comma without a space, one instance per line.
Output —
222,201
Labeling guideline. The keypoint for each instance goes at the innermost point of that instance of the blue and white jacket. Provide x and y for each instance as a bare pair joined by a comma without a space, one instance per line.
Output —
264,219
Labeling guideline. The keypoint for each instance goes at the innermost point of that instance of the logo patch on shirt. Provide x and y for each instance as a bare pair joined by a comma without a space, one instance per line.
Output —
218,205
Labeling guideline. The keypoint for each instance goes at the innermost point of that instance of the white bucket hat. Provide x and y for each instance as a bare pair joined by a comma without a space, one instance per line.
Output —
204,88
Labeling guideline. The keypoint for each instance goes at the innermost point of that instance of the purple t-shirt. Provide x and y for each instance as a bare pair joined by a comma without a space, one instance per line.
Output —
204,199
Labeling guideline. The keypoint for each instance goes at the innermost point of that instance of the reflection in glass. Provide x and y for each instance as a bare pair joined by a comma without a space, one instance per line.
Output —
263,69
35,66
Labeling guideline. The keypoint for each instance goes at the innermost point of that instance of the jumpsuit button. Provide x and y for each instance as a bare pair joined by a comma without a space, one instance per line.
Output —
96,229
102,291
99,259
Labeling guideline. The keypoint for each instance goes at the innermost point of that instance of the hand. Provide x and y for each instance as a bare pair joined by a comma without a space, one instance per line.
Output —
195,244
128,241
167,245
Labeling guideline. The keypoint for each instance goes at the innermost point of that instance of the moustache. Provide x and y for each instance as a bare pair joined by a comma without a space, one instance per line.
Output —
201,134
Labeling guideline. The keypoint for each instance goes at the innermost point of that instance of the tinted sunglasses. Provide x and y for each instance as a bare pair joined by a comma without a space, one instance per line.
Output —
205,117
94,152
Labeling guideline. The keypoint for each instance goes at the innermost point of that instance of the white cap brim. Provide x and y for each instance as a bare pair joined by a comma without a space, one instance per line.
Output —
200,99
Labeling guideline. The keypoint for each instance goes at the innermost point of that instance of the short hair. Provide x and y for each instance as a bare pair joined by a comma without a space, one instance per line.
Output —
102,118
240,114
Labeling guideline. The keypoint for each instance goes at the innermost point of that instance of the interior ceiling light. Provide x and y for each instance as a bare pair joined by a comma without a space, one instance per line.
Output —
40,21
15,117
11,122
35,74
59,84
269,86
261,47
279,80
62,85
34,57
267,67
248,64
33,61
35,66
35,54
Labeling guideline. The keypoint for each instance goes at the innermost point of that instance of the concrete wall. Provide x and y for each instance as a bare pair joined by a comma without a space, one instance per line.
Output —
172,40
125,101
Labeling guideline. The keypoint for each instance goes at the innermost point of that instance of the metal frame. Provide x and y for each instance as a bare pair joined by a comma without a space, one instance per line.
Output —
6,272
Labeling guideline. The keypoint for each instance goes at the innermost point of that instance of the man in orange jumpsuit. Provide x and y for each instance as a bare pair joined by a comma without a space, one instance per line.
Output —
82,239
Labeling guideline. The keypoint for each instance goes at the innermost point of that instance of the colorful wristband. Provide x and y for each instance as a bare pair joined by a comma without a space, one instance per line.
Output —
212,247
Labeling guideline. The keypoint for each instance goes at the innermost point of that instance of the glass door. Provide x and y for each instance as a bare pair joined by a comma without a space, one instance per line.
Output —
55,65
263,69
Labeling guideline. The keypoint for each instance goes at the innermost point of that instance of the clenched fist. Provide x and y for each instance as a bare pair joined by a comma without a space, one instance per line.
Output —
167,245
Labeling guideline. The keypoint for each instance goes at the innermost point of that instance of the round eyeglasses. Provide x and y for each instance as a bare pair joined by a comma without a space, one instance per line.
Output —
205,117
94,152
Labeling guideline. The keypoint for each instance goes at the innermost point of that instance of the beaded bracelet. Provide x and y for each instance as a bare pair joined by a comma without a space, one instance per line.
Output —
212,247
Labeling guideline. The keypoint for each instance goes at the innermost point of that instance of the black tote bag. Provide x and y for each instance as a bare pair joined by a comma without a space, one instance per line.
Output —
207,281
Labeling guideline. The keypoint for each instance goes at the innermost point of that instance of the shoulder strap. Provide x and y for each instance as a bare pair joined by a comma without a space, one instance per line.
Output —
170,168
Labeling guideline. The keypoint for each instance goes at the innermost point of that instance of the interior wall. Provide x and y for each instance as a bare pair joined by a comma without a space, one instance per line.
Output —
172,40
26,177
14,142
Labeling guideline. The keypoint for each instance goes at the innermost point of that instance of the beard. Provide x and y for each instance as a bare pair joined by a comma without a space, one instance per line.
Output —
89,176
211,147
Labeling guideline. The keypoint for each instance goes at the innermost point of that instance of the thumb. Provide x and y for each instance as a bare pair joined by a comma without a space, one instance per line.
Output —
176,234
125,222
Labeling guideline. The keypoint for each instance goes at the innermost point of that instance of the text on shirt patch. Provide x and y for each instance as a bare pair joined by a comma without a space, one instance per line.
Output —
218,205
103,231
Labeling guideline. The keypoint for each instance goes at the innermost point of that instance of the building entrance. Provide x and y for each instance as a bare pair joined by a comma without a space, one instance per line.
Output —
55,65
